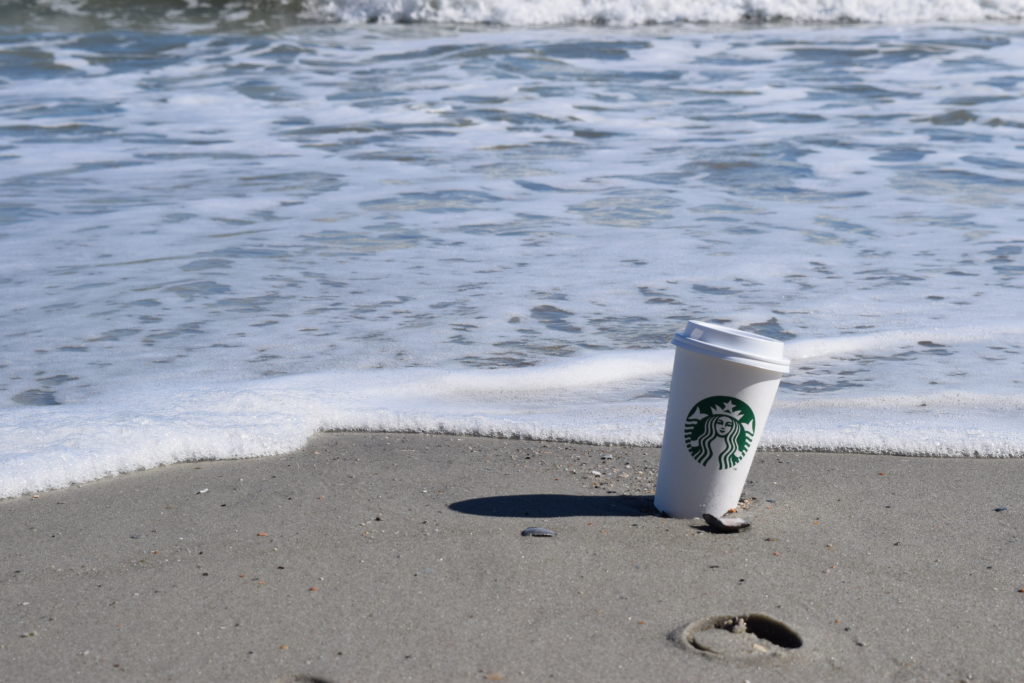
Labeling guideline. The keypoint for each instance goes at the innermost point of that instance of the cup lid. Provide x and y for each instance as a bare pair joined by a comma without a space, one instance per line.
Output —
733,345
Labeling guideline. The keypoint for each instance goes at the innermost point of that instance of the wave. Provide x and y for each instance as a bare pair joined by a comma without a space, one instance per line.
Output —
601,398
640,12
549,12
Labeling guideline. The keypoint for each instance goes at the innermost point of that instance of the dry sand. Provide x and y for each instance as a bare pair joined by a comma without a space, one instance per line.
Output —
390,557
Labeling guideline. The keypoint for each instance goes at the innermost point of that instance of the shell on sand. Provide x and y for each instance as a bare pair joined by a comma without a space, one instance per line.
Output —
726,524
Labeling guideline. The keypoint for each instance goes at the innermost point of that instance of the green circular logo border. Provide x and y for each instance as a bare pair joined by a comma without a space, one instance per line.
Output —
719,429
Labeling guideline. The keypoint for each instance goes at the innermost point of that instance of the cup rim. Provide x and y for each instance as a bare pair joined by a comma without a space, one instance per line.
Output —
750,348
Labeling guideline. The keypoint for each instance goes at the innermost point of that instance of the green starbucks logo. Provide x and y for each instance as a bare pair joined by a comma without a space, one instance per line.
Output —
719,428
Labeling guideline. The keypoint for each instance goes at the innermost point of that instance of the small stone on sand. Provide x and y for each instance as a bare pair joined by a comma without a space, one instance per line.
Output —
726,524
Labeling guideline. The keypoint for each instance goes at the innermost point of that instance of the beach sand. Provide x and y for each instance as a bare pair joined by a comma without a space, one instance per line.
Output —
391,557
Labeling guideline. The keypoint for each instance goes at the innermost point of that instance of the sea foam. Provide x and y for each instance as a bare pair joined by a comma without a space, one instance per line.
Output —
593,399
216,244
640,12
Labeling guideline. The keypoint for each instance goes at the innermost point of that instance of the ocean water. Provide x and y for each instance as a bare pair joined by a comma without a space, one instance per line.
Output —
227,225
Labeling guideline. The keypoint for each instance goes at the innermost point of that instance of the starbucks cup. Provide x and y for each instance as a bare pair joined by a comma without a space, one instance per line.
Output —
723,385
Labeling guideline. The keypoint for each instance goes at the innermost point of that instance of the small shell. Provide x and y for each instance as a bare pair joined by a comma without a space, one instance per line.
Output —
726,524
537,531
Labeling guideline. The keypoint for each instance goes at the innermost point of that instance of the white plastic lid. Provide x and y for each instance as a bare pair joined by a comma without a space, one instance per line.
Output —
737,346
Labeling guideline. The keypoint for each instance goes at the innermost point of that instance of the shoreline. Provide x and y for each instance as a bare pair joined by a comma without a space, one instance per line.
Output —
398,556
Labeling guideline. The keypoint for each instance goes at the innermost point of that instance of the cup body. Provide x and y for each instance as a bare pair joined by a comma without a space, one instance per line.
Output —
722,391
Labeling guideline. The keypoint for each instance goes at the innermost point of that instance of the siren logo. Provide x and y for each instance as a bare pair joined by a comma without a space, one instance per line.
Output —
719,428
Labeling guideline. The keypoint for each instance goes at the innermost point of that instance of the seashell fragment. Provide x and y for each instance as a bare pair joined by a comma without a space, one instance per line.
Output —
537,531
729,525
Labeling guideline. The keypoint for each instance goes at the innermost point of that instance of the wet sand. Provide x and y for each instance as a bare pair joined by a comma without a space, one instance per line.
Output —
389,557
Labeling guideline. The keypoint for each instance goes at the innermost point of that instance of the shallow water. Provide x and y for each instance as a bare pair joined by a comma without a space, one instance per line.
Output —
224,229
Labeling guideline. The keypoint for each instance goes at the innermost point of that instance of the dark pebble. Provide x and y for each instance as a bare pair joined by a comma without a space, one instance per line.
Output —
726,524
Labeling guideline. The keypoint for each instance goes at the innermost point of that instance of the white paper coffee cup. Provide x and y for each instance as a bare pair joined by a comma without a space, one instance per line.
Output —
723,385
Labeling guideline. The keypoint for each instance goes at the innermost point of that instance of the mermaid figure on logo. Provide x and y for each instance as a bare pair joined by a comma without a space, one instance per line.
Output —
716,429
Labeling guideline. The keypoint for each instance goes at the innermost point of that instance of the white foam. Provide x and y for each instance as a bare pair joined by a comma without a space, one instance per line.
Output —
936,424
375,211
640,12
588,400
